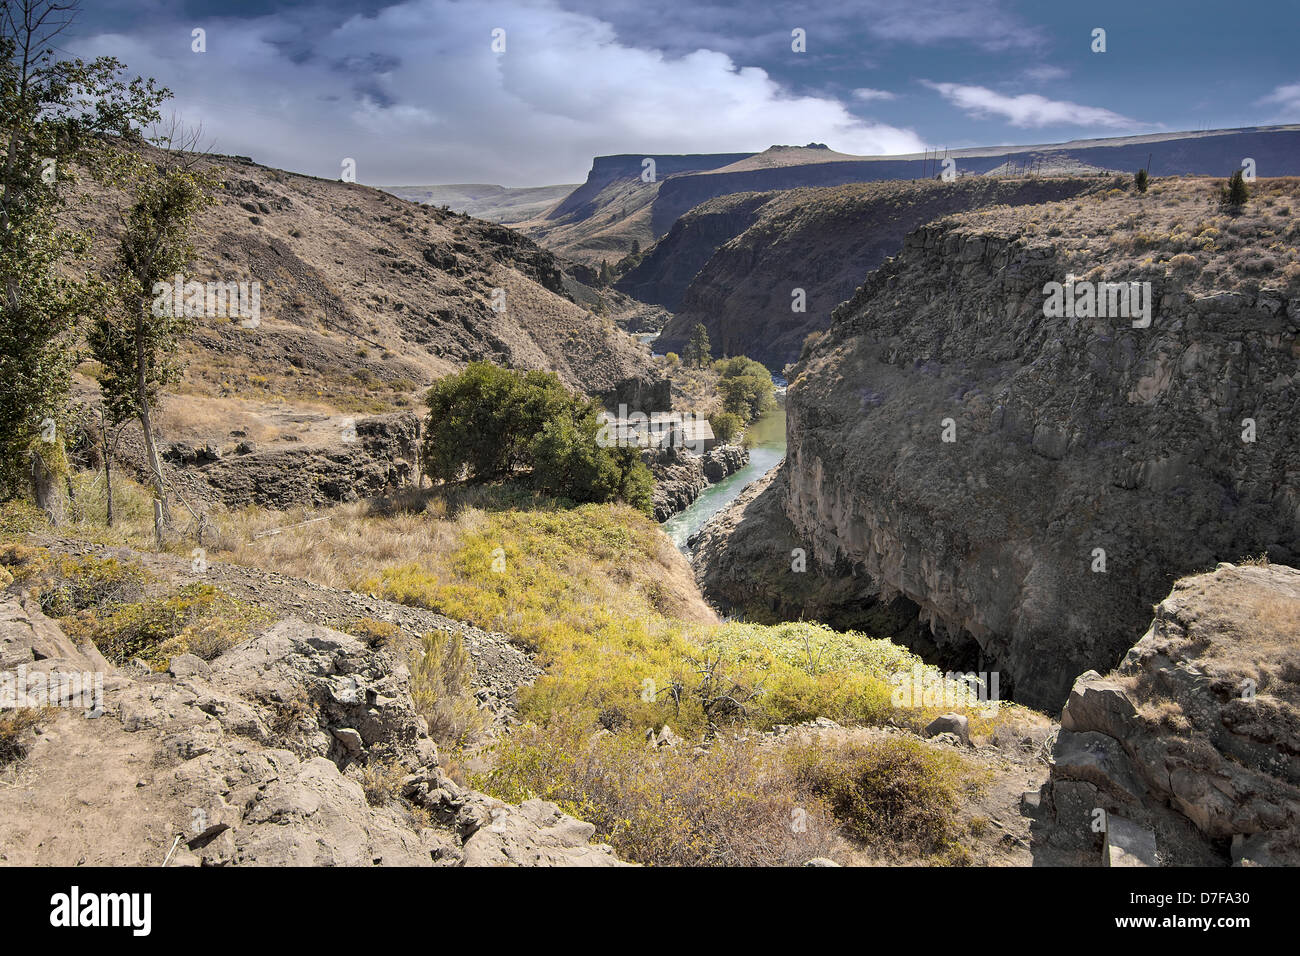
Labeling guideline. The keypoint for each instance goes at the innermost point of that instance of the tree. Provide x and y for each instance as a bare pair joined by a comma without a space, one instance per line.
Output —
1235,192
746,387
698,351
1141,180
605,275
56,116
489,423
725,425
636,247
136,340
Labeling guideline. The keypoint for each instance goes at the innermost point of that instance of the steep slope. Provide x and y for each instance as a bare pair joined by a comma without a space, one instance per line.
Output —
1089,462
502,204
822,241
364,294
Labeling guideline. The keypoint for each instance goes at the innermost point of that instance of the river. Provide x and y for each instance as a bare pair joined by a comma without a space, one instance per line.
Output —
766,450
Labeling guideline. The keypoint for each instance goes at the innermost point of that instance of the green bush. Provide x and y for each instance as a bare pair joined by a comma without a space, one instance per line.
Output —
891,791
745,386
489,423
725,425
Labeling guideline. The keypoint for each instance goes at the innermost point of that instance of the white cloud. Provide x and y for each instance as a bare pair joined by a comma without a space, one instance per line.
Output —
868,95
440,106
1288,98
1028,109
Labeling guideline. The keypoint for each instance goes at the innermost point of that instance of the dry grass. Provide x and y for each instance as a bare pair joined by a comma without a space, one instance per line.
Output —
1176,230
15,726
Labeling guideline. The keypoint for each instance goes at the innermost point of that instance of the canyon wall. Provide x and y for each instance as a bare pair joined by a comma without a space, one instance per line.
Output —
1034,484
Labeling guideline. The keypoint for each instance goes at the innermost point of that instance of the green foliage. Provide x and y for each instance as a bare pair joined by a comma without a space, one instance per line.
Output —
56,116
488,423
729,806
725,425
135,342
1141,180
1235,192
698,351
441,676
746,387
66,584
197,619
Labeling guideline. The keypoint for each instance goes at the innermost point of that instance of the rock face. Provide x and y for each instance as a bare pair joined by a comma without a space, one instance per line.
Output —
681,475
1191,748
379,456
300,747
1033,483
822,241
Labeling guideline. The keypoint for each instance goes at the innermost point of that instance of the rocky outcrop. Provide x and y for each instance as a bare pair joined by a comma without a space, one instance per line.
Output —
1035,483
301,746
377,454
822,241
681,475
1189,752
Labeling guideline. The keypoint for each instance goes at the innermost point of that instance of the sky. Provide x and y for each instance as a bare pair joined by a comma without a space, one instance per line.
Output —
415,93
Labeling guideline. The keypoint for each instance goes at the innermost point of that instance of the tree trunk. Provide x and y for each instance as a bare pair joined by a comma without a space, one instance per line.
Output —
146,423
108,482
45,487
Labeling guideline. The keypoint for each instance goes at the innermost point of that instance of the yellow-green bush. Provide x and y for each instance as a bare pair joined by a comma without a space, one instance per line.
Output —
892,791
732,805
197,619
441,672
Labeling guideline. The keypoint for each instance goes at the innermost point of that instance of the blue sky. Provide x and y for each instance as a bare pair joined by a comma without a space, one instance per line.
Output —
414,93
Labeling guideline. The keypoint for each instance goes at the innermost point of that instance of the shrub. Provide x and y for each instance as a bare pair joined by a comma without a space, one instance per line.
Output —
489,423
374,632
1234,192
1141,180
895,790
732,805
65,584
441,672
197,619
725,426
745,386
14,727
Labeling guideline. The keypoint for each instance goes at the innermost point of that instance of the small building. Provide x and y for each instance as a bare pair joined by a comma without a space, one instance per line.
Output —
658,430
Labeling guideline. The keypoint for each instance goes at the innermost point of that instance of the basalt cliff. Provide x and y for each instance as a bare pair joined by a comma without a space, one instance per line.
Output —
1032,483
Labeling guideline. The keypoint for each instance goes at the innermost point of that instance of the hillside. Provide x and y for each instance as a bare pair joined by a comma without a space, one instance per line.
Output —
1275,149
365,300
502,204
1089,463
822,241
361,287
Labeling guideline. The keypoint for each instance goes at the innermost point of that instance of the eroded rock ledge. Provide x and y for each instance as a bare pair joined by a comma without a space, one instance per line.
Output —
301,746
1189,752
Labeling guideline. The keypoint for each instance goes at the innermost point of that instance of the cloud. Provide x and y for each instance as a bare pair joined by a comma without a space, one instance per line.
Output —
1045,74
415,94
1028,109
982,23
868,95
1288,98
